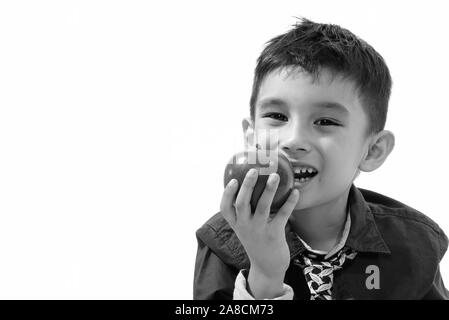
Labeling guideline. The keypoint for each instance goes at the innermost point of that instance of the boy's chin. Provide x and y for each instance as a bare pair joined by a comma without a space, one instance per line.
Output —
308,200
304,204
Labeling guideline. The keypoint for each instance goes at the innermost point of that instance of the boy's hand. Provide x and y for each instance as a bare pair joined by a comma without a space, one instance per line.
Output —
262,235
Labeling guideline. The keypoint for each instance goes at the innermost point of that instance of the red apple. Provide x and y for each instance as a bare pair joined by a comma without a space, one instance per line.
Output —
243,161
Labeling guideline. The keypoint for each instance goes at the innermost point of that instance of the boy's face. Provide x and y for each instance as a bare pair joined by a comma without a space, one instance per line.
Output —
318,124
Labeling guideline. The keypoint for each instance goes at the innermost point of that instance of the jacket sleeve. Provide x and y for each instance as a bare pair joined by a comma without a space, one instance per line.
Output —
213,279
438,291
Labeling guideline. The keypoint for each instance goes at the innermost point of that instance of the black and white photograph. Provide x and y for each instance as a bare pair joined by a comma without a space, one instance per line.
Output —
223,150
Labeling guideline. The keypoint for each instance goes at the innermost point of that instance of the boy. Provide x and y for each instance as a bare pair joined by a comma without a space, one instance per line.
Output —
324,92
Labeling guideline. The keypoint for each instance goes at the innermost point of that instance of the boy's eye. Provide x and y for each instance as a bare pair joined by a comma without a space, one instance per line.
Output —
321,122
276,116
326,122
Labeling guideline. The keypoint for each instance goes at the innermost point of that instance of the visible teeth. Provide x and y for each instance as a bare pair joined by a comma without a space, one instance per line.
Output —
302,179
303,170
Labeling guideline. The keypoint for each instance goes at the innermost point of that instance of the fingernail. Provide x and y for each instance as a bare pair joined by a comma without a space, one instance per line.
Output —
232,183
273,178
252,172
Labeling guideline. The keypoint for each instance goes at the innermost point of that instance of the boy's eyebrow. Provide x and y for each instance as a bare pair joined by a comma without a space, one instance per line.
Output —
276,102
272,102
332,106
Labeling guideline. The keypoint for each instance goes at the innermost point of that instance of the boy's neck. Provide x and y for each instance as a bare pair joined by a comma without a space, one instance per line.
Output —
321,227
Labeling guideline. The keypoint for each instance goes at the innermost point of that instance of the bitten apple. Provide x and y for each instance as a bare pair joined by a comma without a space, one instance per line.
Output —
265,163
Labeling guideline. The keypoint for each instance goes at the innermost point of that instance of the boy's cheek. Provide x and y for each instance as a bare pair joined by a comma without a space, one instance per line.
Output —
267,139
268,145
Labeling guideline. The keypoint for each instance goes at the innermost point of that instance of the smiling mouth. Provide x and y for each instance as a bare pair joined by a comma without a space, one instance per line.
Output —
304,174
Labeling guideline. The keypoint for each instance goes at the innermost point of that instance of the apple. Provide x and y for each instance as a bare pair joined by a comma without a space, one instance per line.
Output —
266,162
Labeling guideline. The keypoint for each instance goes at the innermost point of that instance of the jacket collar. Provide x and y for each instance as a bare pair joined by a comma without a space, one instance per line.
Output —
364,235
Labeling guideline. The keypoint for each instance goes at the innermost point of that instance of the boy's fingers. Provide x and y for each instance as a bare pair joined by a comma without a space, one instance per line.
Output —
226,206
287,208
242,203
266,199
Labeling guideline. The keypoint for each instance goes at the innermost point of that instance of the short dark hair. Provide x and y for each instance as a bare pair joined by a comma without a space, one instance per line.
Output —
314,46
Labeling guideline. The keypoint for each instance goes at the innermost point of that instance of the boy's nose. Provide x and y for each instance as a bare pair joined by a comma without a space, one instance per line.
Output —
295,141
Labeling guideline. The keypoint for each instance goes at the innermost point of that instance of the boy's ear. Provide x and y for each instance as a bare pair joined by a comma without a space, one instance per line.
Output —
379,148
248,132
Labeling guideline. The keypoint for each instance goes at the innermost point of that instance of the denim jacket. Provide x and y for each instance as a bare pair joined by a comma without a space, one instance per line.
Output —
399,251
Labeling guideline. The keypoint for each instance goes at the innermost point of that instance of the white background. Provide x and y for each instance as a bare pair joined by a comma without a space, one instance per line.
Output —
118,117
